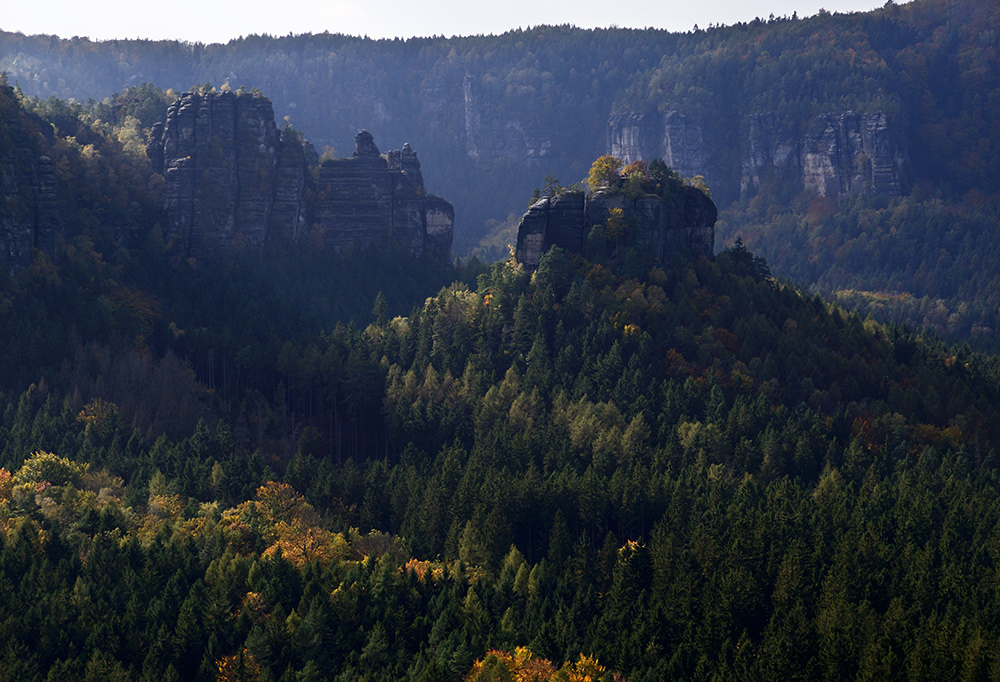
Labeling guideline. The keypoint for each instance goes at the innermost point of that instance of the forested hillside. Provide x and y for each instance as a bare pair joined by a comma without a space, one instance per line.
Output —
289,463
682,474
493,115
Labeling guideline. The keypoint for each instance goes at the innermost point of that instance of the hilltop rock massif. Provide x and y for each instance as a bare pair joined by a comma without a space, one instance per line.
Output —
373,199
228,171
231,176
683,225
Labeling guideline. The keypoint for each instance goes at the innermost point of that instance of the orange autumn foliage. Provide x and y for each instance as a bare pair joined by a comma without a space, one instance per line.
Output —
523,666
239,667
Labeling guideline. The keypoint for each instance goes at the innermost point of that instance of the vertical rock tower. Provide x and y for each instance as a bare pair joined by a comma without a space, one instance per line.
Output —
374,199
232,177
229,173
29,217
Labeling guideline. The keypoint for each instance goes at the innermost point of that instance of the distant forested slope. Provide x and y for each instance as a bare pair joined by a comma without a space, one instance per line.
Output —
542,97
491,116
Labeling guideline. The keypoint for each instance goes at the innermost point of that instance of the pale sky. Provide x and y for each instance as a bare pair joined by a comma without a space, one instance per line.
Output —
212,21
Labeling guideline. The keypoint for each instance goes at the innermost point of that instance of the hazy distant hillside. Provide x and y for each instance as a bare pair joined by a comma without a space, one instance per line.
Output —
901,100
510,109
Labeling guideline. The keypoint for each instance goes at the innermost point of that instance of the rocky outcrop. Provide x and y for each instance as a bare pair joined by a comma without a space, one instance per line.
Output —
230,176
831,154
226,167
681,225
837,154
288,207
371,199
671,136
28,214
551,221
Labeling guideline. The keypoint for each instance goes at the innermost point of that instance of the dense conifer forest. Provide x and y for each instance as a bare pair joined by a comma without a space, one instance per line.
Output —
294,464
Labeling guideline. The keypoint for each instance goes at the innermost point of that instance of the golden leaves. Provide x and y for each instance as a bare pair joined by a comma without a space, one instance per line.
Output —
523,666
301,543
283,519
239,667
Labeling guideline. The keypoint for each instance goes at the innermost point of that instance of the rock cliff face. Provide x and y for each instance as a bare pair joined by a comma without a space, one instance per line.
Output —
837,154
231,176
684,227
370,199
491,136
671,136
227,169
28,215
833,154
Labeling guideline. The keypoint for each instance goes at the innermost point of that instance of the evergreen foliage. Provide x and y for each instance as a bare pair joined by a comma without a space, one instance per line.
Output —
303,465
687,473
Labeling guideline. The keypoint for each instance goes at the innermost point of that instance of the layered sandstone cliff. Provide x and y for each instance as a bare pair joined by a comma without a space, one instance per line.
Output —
832,154
231,176
671,136
371,199
493,134
226,167
28,216
682,225
836,154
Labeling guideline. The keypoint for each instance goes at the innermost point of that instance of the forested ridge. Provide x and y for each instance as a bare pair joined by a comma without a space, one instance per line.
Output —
680,474
294,464
491,115
929,65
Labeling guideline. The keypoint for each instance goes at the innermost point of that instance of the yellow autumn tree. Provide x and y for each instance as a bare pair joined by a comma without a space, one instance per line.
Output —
46,467
603,172
6,484
287,523
239,667
615,225
520,666
523,666
302,543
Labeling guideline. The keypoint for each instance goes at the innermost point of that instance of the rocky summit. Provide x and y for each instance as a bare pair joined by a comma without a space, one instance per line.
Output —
682,226
375,199
231,176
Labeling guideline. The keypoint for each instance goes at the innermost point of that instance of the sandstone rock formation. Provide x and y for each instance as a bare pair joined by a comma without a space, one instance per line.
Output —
832,154
671,136
492,136
838,154
231,176
682,226
28,215
224,162
371,199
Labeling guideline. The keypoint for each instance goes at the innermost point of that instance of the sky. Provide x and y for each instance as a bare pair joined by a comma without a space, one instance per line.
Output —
214,21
